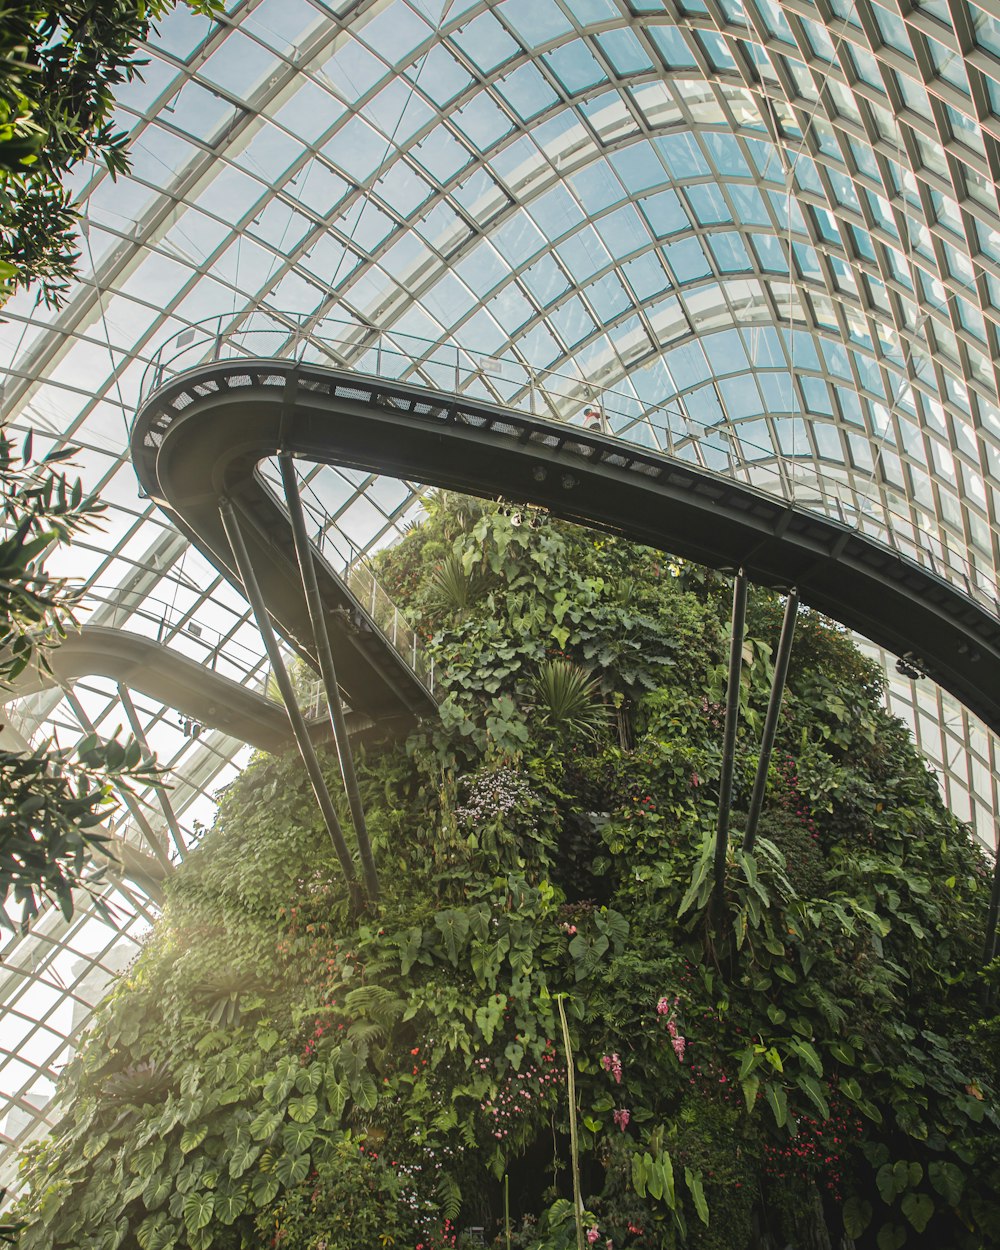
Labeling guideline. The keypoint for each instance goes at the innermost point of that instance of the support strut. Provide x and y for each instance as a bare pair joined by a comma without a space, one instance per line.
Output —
990,945
729,732
771,720
324,653
124,793
231,525
168,812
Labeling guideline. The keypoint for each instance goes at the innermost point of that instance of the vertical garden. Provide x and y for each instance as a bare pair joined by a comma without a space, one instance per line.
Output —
814,1062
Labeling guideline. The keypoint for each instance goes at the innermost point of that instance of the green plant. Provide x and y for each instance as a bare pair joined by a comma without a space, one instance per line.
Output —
52,800
59,65
451,588
811,1060
569,699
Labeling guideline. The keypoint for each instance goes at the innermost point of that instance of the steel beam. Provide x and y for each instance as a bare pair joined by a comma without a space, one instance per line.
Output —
771,719
990,945
124,793
247,576
328,671
168,812
729,732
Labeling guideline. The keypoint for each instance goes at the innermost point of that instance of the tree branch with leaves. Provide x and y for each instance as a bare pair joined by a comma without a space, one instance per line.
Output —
53,799
60,63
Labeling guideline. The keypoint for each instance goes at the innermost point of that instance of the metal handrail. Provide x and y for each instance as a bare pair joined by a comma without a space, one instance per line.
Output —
360,578
506,381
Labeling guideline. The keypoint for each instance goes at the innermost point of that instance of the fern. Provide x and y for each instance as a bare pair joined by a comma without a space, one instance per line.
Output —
828,1007
375,1003
450,1194
366,1031
451,589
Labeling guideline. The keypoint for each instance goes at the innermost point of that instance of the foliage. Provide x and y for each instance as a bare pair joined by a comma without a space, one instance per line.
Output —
806,1060
569,698
51,799
59,65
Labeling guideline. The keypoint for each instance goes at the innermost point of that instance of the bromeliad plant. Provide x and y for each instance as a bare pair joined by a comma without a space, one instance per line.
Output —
805,1062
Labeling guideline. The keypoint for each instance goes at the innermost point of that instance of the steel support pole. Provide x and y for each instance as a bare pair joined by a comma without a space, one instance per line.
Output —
990,945
124,793
249,579
324,652
729,732
771,720
168,812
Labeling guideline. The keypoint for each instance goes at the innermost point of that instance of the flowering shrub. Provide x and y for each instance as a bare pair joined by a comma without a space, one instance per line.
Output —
496,794
522,1097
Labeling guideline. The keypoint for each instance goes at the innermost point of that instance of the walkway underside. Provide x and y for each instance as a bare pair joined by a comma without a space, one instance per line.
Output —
168,677
190,460
200,438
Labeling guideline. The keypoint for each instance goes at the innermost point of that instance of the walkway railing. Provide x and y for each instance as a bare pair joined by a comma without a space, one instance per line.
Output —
351,565
838,492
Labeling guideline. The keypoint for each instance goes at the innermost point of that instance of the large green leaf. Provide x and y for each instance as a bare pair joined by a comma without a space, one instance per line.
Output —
198,1208
453,924
810,1086
410,943
230,1206
750,1087
297,1137
242,1155
365,1092
489,1016
857,1217
948,1180
292,1169
157,1232
694,1184
304,1108
193,1137
808,1053
265,1188
891,1237
157,1191
778,1103
337,1093
918,1209
265,1124
588,951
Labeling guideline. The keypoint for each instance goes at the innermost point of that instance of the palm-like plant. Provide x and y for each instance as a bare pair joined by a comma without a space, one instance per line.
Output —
139,1084
451,588
224,994
569,698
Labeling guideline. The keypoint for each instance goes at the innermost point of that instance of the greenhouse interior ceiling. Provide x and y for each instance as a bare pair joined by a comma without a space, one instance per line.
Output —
770,228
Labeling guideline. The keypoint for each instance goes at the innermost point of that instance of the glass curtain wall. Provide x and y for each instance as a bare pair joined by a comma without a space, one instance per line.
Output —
772,224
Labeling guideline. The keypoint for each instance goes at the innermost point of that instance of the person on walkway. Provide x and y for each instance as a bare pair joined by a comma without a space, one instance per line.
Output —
593,420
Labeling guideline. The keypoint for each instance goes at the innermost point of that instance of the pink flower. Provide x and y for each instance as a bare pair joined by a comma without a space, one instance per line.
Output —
663,1007
592,1234
678,1044
695,779
613,1064
622,1117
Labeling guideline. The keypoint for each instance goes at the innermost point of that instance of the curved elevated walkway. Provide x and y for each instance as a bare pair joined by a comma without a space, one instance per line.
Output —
168,677
200,437
189,461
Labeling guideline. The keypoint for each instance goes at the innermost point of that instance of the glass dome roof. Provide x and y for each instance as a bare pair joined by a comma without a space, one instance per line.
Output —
776,219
